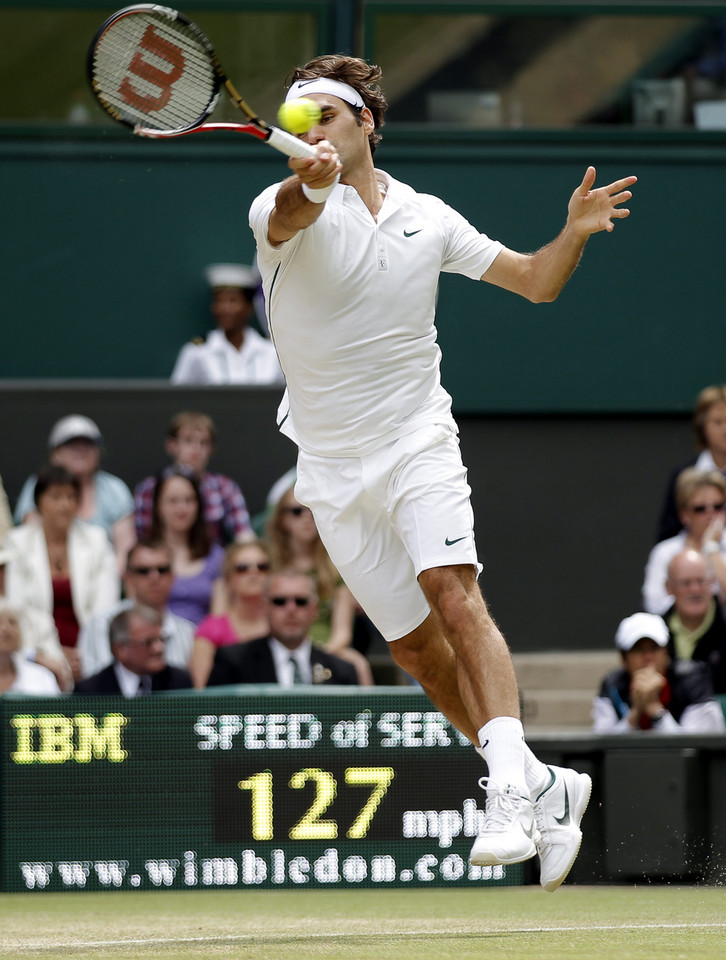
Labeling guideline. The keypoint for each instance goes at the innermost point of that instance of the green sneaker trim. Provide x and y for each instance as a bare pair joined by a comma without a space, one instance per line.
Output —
549,785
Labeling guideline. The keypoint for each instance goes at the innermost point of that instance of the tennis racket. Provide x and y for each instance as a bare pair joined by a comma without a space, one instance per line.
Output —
154,70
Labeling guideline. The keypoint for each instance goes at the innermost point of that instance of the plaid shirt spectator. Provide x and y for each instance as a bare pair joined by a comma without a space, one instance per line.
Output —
225,509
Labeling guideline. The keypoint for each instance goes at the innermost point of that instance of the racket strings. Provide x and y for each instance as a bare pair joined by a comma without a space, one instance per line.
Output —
155,72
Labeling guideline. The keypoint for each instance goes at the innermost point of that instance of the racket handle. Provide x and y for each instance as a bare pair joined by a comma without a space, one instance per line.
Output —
286,143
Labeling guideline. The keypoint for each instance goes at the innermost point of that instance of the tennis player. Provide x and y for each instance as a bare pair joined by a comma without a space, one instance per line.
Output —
350,260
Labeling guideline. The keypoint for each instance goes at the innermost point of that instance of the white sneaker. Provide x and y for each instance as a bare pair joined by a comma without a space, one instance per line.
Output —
508,834
558,811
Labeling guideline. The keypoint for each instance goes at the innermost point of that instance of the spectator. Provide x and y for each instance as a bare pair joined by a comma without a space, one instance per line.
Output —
287,656
75,443
177,520
234,352
701,499
4,557
6,519
39,637
695,621
278,488
651,691
61,564
139,665
294,541
246,567
190,443
17,673
709,426
147,581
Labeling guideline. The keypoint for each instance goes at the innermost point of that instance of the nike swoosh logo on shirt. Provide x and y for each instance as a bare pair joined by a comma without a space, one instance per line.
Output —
412,233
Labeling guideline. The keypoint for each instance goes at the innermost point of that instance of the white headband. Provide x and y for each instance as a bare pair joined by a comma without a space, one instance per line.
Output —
301,88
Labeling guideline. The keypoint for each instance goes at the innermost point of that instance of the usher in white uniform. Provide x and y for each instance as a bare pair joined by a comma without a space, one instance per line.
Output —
216,361
351,304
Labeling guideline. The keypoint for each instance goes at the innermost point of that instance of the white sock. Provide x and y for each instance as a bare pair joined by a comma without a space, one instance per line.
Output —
536,772
503,749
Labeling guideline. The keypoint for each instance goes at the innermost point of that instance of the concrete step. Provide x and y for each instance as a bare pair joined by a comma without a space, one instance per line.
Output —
557,688
564,670
557,709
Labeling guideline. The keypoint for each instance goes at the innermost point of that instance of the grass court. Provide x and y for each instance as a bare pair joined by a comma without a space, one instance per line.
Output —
521,923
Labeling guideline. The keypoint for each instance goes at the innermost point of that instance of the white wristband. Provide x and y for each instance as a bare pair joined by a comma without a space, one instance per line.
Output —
710,548
321,195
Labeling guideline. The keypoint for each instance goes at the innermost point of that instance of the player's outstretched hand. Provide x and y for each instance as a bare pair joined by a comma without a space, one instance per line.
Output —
590,211
320,171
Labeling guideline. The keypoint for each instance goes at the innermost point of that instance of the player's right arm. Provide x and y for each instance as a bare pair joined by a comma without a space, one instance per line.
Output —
293,211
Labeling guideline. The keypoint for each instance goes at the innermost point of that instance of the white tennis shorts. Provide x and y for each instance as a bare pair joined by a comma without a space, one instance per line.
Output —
389,515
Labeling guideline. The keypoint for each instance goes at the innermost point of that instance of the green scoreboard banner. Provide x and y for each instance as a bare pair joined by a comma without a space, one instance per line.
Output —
245,787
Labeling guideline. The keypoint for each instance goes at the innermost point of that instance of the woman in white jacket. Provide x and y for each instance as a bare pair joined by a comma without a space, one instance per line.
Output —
17,673
61,564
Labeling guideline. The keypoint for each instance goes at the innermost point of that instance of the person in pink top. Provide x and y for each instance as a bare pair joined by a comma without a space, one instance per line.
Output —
245,571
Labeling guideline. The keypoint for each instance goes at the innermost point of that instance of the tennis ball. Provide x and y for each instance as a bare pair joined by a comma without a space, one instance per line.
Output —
299,116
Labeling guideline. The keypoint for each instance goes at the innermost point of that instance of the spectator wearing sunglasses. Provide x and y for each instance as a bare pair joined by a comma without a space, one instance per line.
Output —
294,541
245,570
287,656
709,429
701,500
147,581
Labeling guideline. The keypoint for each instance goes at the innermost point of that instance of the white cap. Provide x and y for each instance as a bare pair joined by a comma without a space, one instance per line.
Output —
73,428
232,275
638,627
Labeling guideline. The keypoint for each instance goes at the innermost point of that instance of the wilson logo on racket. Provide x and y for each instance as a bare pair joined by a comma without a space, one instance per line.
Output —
154,70
155,44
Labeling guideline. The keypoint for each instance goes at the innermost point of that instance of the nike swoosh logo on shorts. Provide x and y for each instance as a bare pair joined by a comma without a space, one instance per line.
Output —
450,543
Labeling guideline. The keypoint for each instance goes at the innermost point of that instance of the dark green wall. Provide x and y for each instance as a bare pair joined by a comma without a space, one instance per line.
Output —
105,240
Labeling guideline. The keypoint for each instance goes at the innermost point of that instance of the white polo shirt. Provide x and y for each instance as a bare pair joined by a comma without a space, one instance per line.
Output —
351,305
217,361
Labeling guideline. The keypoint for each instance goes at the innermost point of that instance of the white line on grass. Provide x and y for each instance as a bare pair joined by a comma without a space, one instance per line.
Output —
262,938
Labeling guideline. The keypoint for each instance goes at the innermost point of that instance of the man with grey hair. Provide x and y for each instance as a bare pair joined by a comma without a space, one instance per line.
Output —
695,621
139,664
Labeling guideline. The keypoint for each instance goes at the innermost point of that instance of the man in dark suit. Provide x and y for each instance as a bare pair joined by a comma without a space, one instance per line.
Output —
139,664
287,656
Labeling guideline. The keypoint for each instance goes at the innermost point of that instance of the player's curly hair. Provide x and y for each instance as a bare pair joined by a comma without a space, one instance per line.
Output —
363,77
